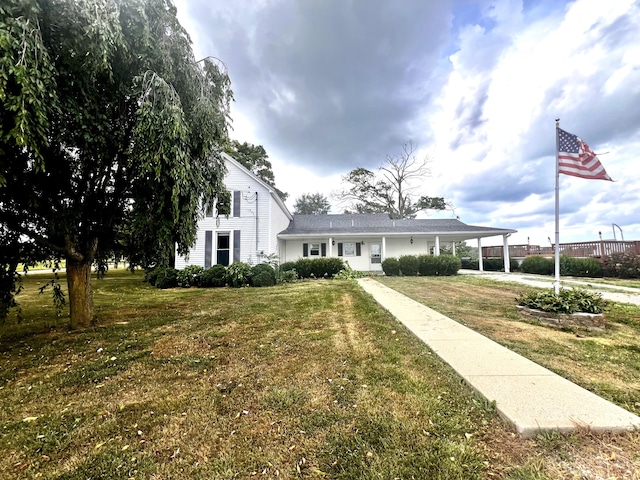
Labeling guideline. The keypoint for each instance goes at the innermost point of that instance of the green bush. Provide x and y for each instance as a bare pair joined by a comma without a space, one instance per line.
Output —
238,274
567,301
470,264
287,266
263,275
441,265
409,265
325,267
447,265
538,265
286,276
216,276
391,267
580,267
490,264
622,265
166,277
348,273
189,276
150,276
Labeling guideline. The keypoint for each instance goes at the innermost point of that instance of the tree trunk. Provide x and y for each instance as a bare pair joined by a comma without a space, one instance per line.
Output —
80,293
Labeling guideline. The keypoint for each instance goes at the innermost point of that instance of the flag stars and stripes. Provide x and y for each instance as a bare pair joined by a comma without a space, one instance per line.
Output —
576,158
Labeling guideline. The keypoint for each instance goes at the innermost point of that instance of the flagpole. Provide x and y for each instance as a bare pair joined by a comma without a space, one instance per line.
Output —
557,245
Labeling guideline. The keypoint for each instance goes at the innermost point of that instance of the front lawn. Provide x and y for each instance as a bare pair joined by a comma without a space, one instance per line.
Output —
308,380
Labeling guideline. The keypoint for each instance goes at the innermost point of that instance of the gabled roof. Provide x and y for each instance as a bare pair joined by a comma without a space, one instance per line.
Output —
257,179
381,223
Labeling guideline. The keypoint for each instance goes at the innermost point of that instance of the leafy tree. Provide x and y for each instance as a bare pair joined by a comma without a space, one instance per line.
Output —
110,135
311,204
255,159
390,191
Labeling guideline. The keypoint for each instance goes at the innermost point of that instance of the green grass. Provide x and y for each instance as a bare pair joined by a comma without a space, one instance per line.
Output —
307,380
607,363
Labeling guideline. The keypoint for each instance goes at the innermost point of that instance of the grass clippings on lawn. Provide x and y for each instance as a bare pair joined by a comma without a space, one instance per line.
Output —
309,380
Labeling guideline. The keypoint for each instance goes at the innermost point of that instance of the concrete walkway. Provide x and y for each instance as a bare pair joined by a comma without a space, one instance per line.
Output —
616,293
528,396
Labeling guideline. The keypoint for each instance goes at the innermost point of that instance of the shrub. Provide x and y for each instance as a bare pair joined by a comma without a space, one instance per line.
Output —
447,265
427,265
569,300
348,273
213,277
622,265
150,276
391,267
166,277
470,264
325,267
287,266
238,274
409,265
263,275
580,267
286,276
189,276
538,265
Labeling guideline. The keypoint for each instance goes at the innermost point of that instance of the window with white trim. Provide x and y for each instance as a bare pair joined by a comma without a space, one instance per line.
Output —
349,249
314,249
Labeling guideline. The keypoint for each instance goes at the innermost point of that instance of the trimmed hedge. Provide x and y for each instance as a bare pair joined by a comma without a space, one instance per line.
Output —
622,265
325,267
166,278
538,265
391,267
490,264
424,265
213,277
189,276
263,275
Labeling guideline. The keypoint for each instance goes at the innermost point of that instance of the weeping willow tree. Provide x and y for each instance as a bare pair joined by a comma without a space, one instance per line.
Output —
110,137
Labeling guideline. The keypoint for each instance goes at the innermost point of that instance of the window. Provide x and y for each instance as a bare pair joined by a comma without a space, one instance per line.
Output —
314,250
349,249
222,252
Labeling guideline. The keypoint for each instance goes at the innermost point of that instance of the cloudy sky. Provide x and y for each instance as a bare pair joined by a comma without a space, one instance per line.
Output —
327,86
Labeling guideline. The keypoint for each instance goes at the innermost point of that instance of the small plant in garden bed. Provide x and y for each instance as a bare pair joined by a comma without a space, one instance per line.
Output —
567,301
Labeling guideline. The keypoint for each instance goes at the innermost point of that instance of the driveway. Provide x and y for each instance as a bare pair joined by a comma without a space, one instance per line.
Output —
610,292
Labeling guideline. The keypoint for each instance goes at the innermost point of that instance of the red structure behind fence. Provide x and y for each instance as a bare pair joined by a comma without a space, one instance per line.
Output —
597,249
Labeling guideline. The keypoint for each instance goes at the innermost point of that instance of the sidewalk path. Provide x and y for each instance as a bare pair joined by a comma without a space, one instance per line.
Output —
528,396
621,294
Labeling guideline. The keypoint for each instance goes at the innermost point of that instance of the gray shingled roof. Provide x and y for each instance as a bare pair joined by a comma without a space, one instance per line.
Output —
381,223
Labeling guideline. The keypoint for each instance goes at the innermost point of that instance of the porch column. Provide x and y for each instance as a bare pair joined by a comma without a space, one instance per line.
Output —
453,248
330,247
383,252
505,249
480,266
436,250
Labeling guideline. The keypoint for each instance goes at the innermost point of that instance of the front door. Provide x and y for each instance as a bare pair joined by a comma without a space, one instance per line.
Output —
375,257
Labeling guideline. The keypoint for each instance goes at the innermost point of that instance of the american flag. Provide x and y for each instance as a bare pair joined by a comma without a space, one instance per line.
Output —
577,159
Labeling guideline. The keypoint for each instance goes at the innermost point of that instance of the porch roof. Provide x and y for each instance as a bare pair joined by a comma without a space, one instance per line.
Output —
381,224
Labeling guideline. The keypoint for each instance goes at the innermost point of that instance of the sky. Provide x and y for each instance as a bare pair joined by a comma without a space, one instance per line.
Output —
327,86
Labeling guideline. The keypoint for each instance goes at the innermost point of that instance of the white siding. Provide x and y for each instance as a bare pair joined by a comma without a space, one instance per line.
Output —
260,220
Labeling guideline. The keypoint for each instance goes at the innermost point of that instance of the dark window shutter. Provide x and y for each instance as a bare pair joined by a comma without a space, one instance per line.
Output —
323,249
208,244
305,249
236,246
358,249
236,203
339,249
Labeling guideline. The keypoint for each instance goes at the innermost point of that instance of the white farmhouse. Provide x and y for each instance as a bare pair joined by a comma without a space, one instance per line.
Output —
261,225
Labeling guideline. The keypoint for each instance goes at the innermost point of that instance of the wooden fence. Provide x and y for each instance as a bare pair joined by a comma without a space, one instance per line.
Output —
595,249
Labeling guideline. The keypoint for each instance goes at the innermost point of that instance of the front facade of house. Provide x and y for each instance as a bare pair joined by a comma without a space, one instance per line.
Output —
249,233
364,240
260,226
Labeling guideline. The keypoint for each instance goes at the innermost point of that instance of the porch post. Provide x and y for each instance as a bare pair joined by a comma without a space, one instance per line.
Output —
480,266
505,249
453,248
436,250
330,247
383,252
